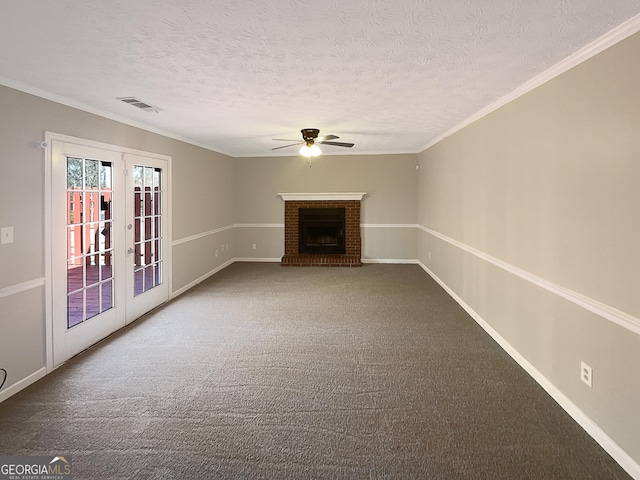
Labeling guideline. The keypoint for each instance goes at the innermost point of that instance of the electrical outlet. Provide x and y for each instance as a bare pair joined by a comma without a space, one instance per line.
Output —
216,253
254,246
6,235
586,374
429,255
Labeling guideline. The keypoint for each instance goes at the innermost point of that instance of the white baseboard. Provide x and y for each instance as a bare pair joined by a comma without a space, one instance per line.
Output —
190,285
22,384
611,447
257,260
398,261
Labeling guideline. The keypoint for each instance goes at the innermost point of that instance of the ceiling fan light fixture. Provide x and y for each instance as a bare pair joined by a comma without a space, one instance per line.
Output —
309,140
310,150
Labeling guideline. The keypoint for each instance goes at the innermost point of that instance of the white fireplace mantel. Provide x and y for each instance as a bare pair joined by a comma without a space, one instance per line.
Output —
322,196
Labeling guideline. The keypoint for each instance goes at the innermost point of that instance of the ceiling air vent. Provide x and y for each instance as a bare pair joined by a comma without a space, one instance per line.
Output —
139,103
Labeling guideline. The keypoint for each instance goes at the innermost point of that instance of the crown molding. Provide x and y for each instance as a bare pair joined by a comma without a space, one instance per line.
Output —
619,33
68,102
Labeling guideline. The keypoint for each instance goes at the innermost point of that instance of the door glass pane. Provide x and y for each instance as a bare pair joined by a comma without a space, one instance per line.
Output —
75,307
148,216
158,251
158,273
106,272
148,255
105,177
148,177
75,275
73,242
93,301
92,207
138,279
107,295
74,206
91,174
89,239
105,236
74,174
149,277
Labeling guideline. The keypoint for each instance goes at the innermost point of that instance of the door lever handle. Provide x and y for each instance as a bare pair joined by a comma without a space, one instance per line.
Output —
130,251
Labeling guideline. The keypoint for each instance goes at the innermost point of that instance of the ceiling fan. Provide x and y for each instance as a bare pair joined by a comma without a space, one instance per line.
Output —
309,140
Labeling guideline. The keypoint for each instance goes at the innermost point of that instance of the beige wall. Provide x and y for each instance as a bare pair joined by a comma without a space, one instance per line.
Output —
549,185
202,201
390,181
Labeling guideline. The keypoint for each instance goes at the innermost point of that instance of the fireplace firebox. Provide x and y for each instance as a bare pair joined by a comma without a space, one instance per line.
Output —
321,230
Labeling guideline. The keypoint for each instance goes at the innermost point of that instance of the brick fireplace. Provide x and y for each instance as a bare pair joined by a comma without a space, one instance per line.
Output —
294,202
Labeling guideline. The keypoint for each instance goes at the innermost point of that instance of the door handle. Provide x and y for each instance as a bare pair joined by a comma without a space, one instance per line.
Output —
130,251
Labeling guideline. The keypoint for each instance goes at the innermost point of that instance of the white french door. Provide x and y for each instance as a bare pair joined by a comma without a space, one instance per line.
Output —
109,238
146,234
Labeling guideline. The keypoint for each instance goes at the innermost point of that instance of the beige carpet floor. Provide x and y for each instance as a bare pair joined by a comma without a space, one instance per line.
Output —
265,372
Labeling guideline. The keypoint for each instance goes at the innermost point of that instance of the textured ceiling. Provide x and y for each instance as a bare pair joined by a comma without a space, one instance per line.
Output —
231,75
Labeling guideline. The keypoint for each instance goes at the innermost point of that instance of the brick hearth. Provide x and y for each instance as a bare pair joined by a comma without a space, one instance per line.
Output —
320,260
353,244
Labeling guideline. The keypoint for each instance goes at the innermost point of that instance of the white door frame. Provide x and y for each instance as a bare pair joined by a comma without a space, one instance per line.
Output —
49,215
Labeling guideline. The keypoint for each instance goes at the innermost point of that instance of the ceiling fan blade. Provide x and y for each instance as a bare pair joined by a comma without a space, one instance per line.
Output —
285,146
284,140
329,137
338,144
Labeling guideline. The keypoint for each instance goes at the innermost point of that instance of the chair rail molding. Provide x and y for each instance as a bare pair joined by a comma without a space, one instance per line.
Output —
601,309
21,287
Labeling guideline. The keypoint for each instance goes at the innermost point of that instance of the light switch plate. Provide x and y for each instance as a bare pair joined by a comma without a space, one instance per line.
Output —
6,235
